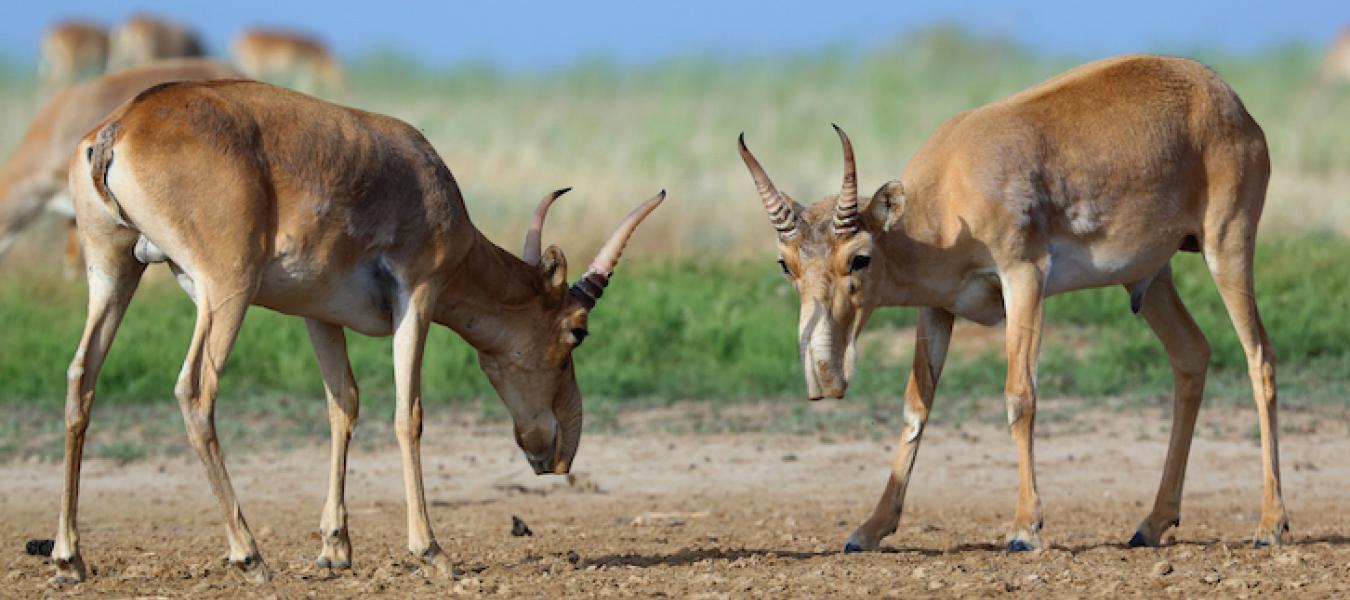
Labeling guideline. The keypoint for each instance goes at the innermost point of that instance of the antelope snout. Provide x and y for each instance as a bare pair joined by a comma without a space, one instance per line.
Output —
823,380
543,452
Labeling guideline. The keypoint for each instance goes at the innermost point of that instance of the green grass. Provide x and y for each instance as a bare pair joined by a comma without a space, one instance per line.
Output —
716,331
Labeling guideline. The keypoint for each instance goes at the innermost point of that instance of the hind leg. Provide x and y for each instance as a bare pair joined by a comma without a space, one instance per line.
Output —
330,344
1189,352
72,250
113,276
1229,256
220,313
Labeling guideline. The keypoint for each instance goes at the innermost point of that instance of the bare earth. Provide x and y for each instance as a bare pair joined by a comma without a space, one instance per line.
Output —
767,516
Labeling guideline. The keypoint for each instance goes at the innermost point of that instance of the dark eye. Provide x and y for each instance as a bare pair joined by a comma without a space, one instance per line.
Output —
859,263
783,265
579,335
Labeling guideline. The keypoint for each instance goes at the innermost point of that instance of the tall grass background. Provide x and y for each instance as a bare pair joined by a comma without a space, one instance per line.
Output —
698,310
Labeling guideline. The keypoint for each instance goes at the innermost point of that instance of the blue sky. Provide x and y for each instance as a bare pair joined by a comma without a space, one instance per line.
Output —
526,35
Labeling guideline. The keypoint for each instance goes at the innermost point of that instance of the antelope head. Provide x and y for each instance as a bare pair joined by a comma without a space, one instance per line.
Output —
827,251
532,371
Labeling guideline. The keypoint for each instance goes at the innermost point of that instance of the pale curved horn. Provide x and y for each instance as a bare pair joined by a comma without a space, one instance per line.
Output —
591,285
534,235
781,215
846,208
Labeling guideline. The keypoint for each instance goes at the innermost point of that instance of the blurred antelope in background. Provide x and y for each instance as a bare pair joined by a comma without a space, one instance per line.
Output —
1336,65
1092,178
288,58
72,50
254,194
145,38
34,177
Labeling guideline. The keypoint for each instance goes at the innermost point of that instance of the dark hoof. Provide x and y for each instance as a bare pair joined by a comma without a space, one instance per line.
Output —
852,547
1261,543
1018,546
1138,541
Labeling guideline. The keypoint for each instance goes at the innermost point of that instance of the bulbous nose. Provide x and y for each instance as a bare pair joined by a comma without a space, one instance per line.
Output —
545,458
823,382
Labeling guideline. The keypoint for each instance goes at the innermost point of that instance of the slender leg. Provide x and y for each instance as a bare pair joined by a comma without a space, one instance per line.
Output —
1023,293
1189,353
113,276
412,317
330,345
219,317
1230,263
930,353
72,250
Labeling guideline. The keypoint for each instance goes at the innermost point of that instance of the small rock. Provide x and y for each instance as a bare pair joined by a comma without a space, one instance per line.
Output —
519,528
573,557
1288,559
1211,578
39,547
1237,584
136,571
1162,568
1033,578
671,519
919,573
789,457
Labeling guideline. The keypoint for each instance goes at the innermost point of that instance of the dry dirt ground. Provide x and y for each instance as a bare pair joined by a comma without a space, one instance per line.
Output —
770,513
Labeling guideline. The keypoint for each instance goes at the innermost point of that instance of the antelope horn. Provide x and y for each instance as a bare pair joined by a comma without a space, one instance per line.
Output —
591,285
534,235
781,215
846,209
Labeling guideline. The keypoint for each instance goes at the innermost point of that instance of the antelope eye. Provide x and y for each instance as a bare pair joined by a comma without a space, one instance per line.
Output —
859,263
579,335
783,265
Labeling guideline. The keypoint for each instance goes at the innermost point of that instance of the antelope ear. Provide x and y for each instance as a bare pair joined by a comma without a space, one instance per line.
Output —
554,268
887,205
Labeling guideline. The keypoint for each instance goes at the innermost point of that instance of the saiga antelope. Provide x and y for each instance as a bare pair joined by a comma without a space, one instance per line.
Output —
1336,65
34,177
1093,178
291,58
72,50
255,194
144,38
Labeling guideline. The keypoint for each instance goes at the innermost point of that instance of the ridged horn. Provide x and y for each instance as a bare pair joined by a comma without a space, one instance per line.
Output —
591,285
535,234
781,215
846,208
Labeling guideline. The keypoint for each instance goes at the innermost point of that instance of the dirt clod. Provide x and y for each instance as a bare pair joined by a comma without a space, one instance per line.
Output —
519,528
1161,568
39,547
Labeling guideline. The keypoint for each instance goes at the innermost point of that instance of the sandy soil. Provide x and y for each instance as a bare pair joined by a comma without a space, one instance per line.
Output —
771,514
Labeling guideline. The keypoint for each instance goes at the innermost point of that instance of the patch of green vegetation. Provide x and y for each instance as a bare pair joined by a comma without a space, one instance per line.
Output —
712,330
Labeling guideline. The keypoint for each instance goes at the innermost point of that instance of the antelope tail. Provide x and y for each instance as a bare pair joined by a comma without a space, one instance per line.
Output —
100,157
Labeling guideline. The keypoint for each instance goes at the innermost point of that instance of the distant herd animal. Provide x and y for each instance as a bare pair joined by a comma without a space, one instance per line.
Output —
76,49
254,194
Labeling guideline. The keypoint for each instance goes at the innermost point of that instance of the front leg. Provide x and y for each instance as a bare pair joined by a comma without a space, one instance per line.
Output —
412,317
930,352
1023,295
